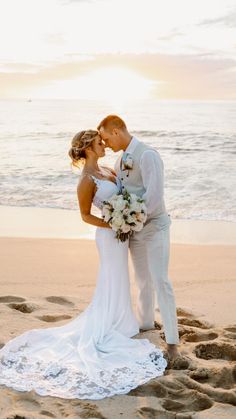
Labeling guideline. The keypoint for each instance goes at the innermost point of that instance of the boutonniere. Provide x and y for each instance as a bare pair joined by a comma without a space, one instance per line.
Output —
128,162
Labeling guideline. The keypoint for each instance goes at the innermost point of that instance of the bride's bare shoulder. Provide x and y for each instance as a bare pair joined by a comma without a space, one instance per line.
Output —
85,182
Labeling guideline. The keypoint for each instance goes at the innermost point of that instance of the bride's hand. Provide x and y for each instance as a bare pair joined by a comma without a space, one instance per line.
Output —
106,225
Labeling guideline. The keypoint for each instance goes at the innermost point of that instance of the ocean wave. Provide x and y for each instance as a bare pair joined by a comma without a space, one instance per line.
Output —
198,150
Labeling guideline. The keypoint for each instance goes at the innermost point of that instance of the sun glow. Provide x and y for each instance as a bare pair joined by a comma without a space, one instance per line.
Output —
111,84
114,50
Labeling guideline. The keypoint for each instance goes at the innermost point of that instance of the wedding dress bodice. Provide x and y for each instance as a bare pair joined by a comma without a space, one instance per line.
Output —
105,190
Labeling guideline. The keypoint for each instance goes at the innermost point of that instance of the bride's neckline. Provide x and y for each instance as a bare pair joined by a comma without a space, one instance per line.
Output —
104,180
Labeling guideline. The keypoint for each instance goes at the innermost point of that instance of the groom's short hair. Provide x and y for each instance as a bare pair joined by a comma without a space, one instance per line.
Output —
111,122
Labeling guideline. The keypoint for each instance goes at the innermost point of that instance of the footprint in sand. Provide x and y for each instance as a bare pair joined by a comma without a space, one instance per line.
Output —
188,401
152,389
175,398
88,410
171,385
10,299
217,377
23,307
231,329
216,351
47,413
183,313
150,413
182,399
230,336
194,323
54,318
195,336
230,332
26,402
216,394
202,375
59,300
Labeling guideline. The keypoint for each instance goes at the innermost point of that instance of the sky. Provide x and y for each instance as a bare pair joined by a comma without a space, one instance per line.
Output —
104,49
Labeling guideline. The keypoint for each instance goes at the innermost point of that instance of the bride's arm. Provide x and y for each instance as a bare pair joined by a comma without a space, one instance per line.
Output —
85,192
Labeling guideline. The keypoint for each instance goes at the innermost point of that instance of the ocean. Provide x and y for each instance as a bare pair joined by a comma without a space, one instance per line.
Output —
196,140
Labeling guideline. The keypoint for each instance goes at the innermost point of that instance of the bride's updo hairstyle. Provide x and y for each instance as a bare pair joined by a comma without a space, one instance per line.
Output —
79,143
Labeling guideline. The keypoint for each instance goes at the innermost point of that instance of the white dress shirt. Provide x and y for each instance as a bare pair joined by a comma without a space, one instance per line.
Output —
152,174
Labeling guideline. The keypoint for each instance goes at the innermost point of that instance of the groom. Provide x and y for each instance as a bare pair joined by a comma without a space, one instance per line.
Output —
140,171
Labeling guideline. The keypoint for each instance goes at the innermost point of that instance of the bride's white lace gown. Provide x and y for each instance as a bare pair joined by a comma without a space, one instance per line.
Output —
92,356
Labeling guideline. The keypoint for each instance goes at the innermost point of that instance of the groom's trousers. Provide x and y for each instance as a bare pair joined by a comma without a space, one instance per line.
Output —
150,255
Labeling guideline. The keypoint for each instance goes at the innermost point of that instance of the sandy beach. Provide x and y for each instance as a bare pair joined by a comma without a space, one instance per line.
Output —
48,281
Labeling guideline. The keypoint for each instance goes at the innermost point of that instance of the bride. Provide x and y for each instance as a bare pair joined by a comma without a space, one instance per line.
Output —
93,356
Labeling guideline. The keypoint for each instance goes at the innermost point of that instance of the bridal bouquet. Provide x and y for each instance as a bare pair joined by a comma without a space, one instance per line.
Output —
125,213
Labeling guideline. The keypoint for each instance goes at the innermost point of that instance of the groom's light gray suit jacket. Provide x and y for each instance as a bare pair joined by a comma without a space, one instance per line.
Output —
145,179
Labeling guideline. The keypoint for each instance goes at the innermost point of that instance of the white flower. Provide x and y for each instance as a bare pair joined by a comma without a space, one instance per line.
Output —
126,212
133,197
117,214
136,206
141,217
114,198
119,204
126,228
131,219
115,227
117,221
128,162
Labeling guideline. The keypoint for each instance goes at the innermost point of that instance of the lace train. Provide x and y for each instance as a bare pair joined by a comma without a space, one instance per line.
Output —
19,371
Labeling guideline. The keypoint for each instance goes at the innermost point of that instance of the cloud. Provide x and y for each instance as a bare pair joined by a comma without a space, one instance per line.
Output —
24,68
226,20
55,38
172,35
